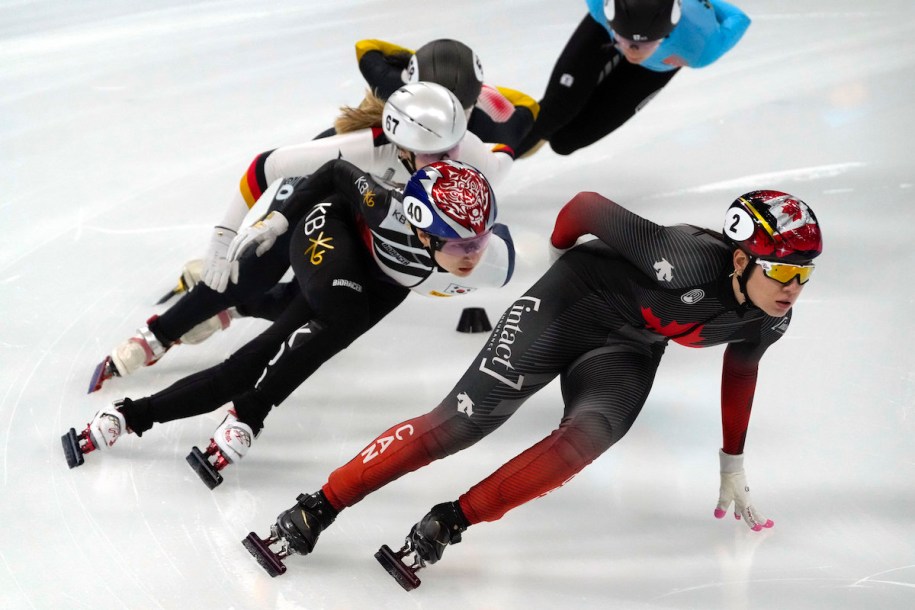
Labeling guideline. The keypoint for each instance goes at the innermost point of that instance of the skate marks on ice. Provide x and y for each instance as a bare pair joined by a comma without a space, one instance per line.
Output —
751,181
881,578
812,586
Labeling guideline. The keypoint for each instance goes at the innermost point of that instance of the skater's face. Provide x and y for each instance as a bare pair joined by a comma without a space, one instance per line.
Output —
774,296
459,256
636,51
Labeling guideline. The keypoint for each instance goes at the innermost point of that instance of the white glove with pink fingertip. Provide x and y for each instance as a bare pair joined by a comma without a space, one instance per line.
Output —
734,489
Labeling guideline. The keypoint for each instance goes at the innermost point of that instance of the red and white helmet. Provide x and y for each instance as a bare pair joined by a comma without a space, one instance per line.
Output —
450,200
774,225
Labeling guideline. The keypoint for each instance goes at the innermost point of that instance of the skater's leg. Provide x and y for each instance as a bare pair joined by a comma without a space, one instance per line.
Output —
256,276
213,387
528,347
269,305
624,90
195,317
346,300
338,300
604,392
573,79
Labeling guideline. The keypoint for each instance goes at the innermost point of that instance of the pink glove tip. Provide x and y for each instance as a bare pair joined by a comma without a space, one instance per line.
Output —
769,523
756,527
719,514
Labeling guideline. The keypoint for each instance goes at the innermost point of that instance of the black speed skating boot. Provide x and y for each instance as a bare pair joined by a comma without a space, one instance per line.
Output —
297,529
443,525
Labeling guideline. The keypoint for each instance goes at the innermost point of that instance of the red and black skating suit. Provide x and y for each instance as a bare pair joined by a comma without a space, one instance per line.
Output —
600,319
355,259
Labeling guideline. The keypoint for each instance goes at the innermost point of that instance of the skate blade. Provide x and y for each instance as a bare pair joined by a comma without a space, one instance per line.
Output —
74,454
167,296
100,375
264,556
201,465
402,573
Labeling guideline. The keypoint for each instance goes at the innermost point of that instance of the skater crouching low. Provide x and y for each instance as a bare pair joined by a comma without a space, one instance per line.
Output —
419,123
600,319
357,251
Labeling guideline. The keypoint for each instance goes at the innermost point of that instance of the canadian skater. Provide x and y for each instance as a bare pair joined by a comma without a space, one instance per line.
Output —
599,319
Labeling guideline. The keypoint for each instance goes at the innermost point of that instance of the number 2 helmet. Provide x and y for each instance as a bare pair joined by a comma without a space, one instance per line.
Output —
450,200
773,225
642,20
424,118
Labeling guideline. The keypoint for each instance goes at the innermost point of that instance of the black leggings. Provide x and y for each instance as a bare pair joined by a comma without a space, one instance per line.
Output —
591,92
340,295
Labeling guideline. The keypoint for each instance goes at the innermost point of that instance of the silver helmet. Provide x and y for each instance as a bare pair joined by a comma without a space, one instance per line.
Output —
424,118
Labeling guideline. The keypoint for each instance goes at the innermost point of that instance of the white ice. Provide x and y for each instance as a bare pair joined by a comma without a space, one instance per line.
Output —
126,125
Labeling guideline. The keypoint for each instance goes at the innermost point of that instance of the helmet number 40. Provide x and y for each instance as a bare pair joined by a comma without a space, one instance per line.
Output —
416,213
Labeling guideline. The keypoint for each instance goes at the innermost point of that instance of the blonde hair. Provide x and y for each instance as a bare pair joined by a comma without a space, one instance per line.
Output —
367,114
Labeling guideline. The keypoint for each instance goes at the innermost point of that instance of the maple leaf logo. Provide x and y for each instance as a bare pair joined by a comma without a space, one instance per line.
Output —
689,335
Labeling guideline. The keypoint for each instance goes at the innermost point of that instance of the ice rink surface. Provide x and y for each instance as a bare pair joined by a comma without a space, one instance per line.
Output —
125,126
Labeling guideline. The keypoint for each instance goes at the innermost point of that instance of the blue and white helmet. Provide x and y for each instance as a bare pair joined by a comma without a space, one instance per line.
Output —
450,200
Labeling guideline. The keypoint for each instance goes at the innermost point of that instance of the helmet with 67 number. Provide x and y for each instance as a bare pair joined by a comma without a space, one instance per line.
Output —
424,118
774,225
642,20
450,200
449,63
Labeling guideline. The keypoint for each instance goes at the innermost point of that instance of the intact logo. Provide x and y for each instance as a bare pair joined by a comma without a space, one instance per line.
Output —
498,364
382,443
665,270
465,404
693,296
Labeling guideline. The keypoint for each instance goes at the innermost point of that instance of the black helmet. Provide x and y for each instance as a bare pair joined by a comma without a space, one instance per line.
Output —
642,20
451,64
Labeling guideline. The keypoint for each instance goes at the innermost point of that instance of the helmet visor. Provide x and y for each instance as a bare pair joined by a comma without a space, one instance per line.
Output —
462,247
785,272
